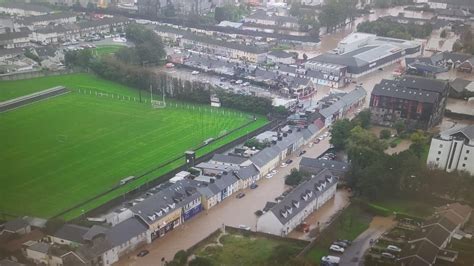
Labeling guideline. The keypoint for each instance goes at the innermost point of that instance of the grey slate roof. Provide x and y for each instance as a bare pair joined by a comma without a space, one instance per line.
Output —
231,159
27,6
422,249
71,232
94,231
247,172
411,88
167,200
46,17
40,247
6,262
467,131
14,35
16,224
459,84
280,54
125,231
113,237
345,100
435,233
264,156
294,202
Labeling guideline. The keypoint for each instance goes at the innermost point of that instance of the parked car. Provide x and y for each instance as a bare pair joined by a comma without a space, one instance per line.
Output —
336,248
246,84
348,242
388,255
195,72
341,244
331,259
240,195
289,161
394,248
283,165
317,141
253,186
269,176
239,81
245,227
274,171
143,253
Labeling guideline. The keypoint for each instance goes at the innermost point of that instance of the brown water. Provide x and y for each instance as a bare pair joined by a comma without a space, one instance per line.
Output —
232,212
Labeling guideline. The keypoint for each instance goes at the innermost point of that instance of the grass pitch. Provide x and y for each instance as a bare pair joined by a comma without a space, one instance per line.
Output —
64,150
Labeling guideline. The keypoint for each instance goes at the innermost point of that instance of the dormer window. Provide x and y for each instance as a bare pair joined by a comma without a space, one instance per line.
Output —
284,213
159,214
165,210
172,205
296,203
289,209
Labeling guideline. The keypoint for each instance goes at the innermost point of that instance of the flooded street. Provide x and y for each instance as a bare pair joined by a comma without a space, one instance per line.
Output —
233,212
324,215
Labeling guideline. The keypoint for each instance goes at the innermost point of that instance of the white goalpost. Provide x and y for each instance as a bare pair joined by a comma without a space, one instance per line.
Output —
155,104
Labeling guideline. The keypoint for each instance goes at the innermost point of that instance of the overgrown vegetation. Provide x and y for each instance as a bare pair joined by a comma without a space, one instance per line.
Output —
391,29
466,42
336,13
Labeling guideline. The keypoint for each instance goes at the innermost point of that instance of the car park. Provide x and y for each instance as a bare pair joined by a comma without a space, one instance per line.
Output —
394,248
336,248
240,195
143,253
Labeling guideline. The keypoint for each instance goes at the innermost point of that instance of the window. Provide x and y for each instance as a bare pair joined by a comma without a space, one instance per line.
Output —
465,158
467,151
463,165
437,159
441,145
439,152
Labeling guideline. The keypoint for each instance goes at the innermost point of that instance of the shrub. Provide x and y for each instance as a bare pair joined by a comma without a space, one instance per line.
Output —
385,134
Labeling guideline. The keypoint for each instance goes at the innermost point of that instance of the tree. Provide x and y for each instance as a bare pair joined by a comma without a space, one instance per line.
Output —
419,140
200,261
79,58
363,119
294,178
385,134
340,132
220,14
181,257
169,11
399,126
295,9
443,34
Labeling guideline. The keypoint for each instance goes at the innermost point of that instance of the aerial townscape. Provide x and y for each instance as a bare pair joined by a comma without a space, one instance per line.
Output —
236,132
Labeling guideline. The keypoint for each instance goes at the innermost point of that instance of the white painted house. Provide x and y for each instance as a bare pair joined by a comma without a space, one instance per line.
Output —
284,216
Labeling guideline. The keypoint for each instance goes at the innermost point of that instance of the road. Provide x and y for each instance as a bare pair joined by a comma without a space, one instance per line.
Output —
353,254
232,212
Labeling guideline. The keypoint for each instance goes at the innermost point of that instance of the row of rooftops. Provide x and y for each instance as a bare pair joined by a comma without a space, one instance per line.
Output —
341,101
47,17
210,40
26,6
426,244
302,195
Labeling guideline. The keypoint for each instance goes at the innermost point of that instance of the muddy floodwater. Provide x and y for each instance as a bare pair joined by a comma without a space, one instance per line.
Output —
234,212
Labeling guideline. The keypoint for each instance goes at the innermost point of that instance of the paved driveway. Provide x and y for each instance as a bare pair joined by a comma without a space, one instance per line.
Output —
354,253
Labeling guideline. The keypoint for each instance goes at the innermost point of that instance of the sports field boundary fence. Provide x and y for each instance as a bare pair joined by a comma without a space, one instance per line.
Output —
133,193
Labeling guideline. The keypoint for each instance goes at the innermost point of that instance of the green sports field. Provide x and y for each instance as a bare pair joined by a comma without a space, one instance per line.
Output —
64,150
